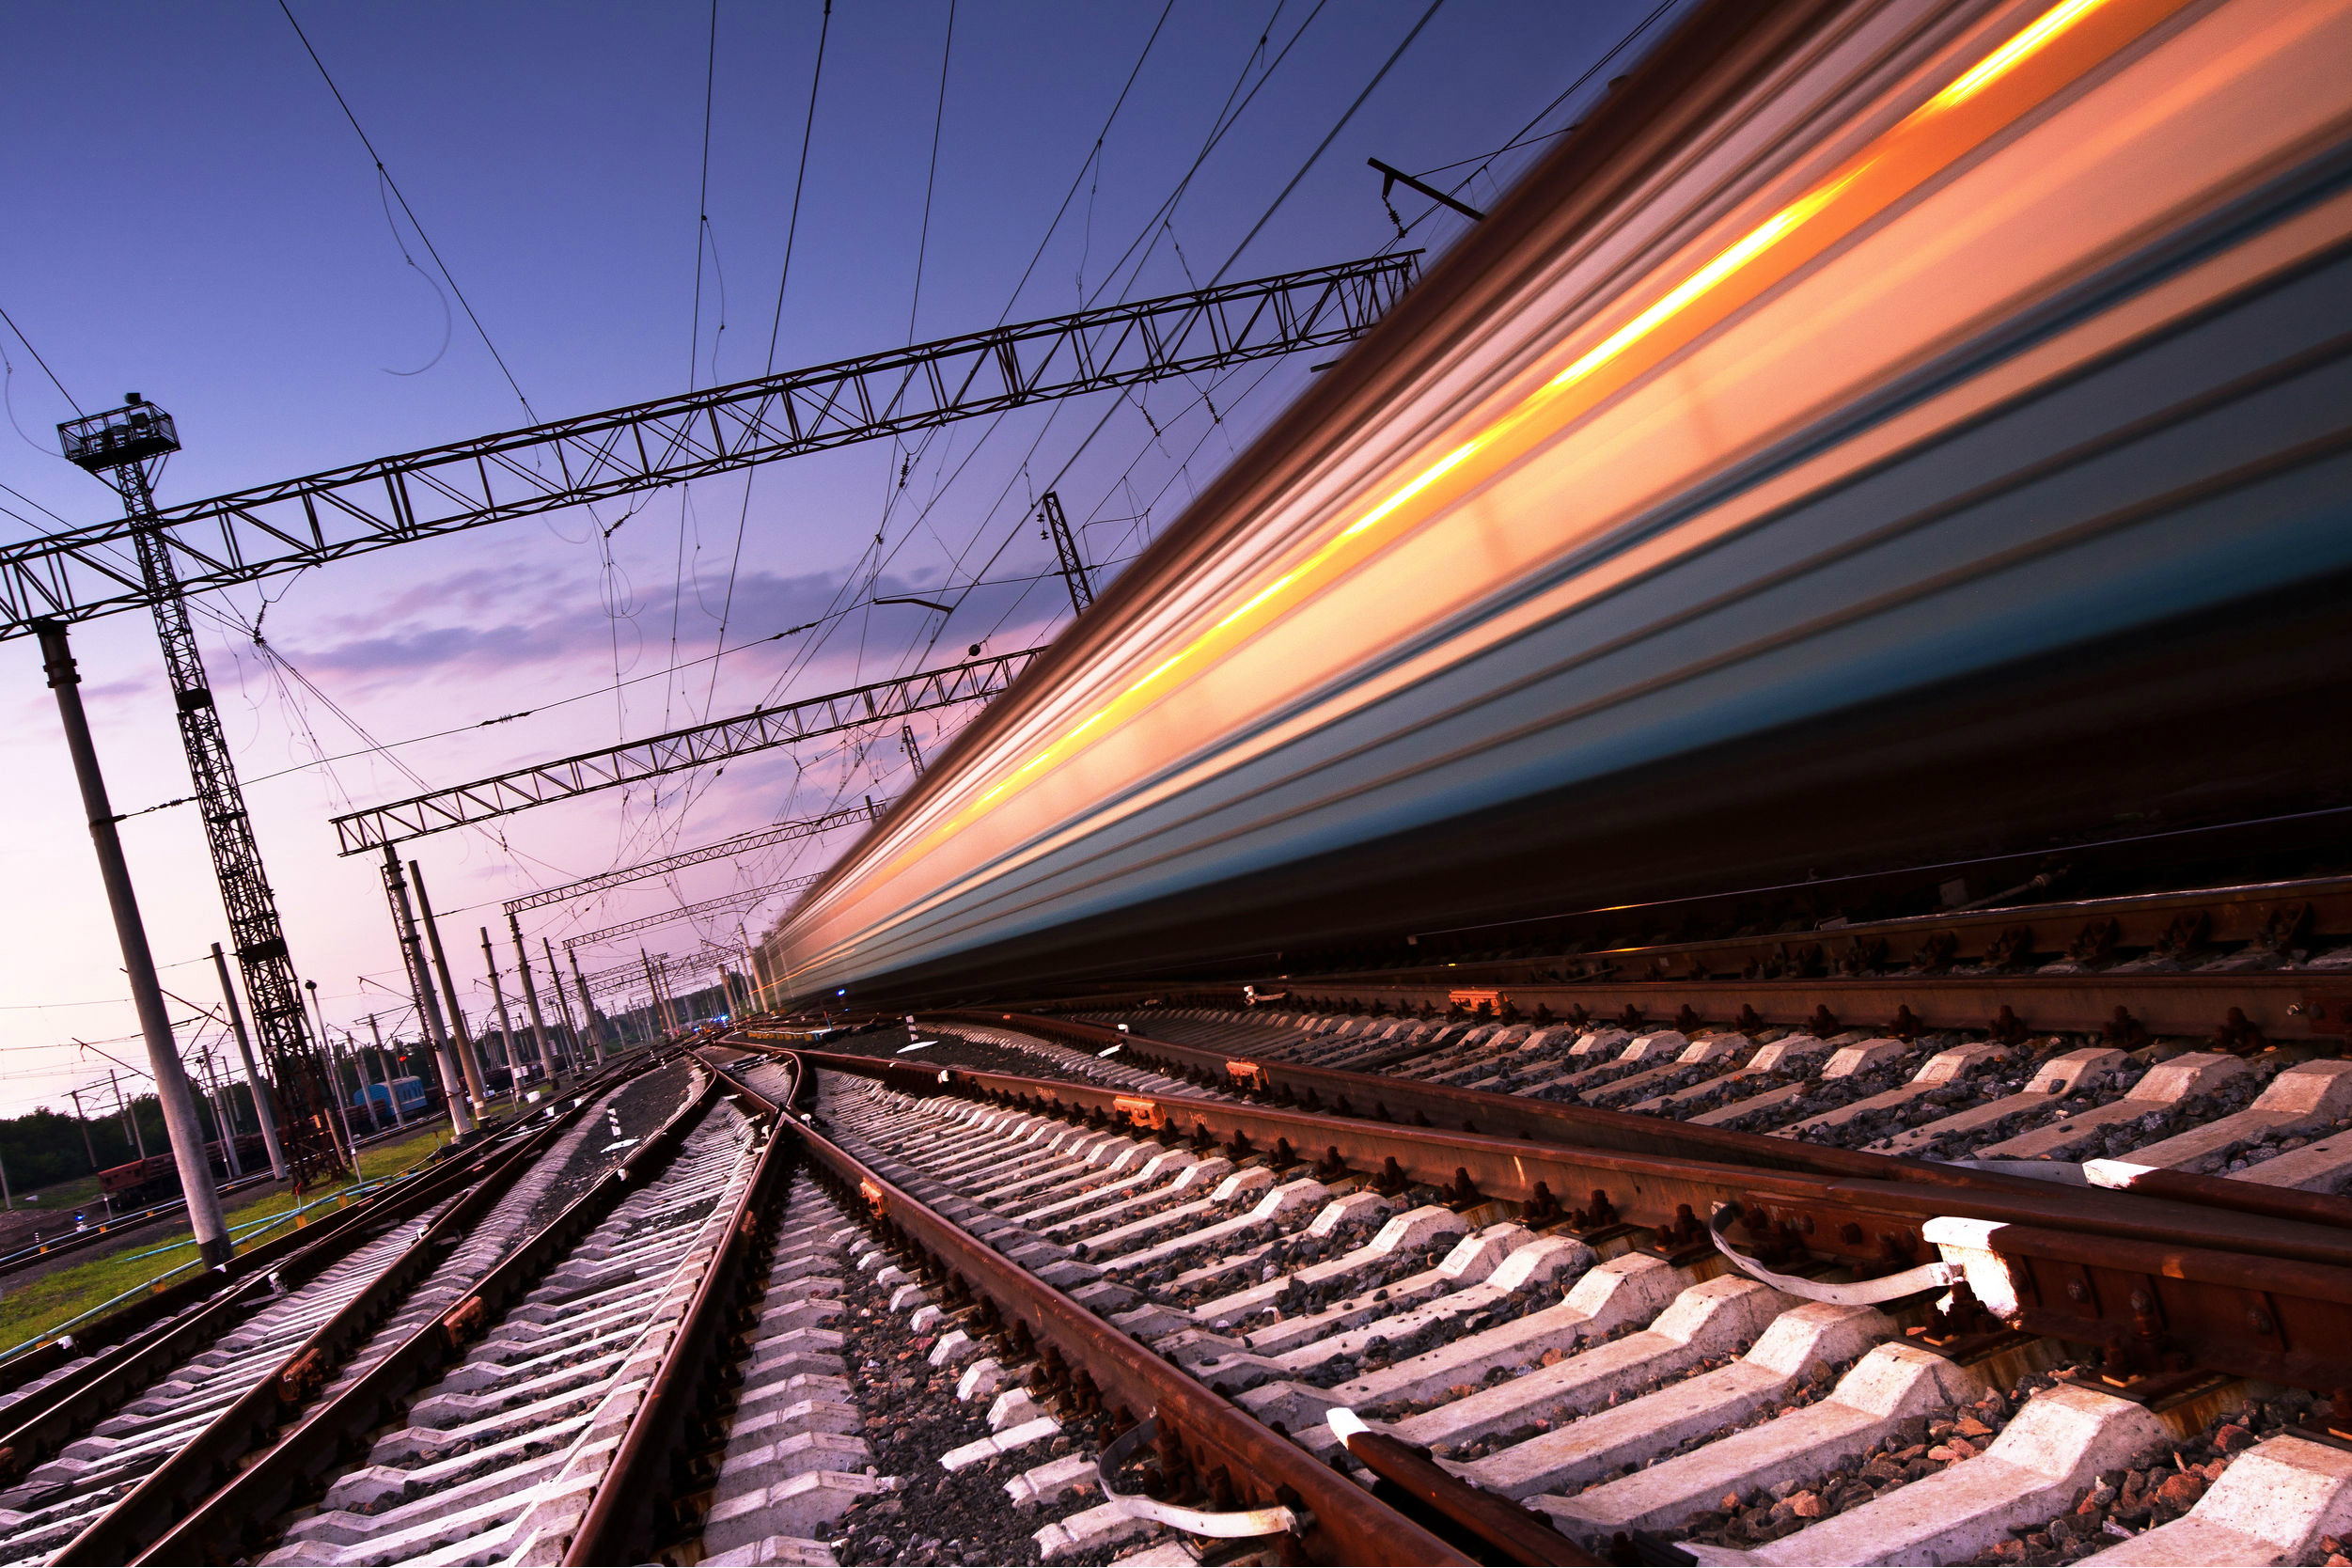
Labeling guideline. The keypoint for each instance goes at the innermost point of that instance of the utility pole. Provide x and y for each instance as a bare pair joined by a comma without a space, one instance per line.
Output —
334,1076
264,1108
367,1085
420,988
588,1003
530,998
581,1049
391,1089
130,1123
127,447
147,993
653,996
220,1115
1071,564
467,1059
88,1150
498,994
914,752
751,972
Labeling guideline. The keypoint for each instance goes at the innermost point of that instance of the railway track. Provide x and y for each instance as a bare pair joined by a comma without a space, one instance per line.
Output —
2243,965
1621,1374
106,1437
2271,1116
819,1306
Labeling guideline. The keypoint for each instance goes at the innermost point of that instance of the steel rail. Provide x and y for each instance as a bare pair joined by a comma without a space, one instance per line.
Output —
2270,915
121,1331
50,1419
211,1456
78,574
2195,1294
1498,1523
219,1529
621,1521
1645,1187
91,1235
1591,1127
2275,1005
1107,1375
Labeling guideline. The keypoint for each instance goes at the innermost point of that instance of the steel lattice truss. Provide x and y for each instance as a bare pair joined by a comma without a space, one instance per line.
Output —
729,903
710,957
975,681
743,843
276,528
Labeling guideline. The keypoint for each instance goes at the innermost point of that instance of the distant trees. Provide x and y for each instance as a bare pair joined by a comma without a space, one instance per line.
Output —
43,1148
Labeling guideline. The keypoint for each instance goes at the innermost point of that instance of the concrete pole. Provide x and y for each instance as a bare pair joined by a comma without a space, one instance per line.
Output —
653,996
420,986
89,1149
228,1128
264,1103
530,999
130,1123
583,1052
366,1084
147,995
506,1026
391,1089
467,1059
588,1003
751,972
334,1077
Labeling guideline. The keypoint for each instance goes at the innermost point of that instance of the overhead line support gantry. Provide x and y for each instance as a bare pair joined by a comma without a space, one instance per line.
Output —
743,843
80,573
608,767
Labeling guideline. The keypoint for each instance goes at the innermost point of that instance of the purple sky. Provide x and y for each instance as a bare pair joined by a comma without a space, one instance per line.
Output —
190,216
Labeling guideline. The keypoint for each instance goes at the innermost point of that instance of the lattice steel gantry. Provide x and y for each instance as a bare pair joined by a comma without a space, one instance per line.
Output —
126,448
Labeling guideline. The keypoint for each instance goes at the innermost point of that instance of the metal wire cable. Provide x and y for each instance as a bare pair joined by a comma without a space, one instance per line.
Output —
397,195
1379,76
39,361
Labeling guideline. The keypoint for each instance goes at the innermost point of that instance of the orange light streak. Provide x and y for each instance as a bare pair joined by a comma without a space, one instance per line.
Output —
1923,145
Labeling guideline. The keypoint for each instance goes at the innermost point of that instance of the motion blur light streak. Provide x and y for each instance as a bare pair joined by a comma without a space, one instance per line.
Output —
1923,145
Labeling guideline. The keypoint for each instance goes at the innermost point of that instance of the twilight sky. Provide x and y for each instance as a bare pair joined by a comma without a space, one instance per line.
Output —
189,215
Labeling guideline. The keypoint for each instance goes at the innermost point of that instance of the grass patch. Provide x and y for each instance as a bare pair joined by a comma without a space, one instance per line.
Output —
41,1305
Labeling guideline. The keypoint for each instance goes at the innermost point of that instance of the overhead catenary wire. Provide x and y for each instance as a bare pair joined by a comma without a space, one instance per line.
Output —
1228,113
39,361
1321,148
401,197
775,327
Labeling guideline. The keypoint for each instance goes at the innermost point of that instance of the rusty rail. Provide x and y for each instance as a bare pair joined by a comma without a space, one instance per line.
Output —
54,1417
2190,1265
223,1527
2011,940
1350,1092
211,1456
2234,1009
1103,1373
1495,1524
622,1524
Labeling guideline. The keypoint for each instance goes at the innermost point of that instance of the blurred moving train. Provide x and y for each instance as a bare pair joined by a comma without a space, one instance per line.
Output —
1882,431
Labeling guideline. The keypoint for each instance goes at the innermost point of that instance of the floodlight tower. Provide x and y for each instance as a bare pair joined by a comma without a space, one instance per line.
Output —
127,447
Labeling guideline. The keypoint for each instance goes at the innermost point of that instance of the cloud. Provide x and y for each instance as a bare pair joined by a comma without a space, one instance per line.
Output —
416,634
